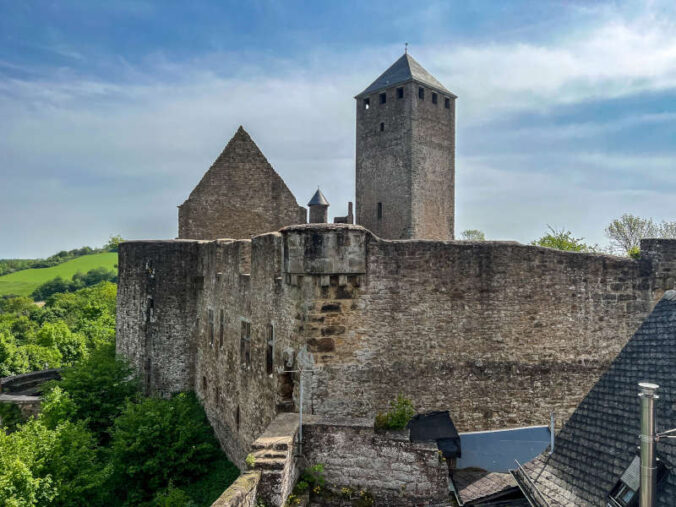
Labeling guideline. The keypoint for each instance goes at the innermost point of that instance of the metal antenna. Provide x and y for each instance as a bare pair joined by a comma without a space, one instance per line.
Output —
405,48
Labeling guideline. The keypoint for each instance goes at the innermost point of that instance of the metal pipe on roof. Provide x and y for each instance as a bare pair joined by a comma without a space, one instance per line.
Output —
648,468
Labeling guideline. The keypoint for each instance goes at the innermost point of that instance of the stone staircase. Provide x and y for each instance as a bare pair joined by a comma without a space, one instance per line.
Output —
274,453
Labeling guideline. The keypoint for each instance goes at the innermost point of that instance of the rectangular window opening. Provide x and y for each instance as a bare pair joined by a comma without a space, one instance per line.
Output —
434,98
400,93
447,103
367,103
383,98
380,210
269,351
382,127
222,329
211,328
421,93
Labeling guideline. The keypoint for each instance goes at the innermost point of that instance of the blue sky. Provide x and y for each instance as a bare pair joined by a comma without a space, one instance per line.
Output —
110,112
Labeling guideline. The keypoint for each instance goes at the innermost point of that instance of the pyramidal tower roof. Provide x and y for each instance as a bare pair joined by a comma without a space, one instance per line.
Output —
318,199
403,70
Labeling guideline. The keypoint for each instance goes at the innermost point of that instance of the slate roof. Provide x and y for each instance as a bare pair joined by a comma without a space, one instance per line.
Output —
318,199
598,443
475,484
403,70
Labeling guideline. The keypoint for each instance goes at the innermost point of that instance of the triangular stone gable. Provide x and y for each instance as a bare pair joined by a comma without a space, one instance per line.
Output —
241,195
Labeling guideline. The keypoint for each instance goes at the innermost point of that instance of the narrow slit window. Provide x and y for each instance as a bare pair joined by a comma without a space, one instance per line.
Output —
447,103
221,332
204,384
400,93
367,103
434,98
421,93
211,328
380,210
383,98
269,351
382,127
217,395
237,418
245,344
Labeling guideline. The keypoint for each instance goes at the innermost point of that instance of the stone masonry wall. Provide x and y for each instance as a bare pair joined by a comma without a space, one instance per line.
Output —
394,470
239,196
500,334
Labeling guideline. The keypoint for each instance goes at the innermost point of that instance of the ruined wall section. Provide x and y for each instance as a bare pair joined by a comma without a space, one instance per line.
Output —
240,195
157,298
500,334
658,261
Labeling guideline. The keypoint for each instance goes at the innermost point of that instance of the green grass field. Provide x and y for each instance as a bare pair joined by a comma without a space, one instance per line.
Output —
24,282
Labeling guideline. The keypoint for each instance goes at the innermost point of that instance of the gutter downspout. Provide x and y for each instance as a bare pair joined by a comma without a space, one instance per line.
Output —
647,437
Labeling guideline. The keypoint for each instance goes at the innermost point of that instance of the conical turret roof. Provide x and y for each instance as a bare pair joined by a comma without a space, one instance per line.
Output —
318,199
403,70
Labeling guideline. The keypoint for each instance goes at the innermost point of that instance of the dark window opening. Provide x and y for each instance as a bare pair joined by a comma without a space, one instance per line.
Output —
237,418
245,343
382,127
211,328
221,329
217,395
400,93
421,93
434,98
447,103
380,210
367,103
383,98
204,384
285,392
269,351
626,491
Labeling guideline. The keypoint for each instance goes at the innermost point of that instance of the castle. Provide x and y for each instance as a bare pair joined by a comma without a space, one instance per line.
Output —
251,301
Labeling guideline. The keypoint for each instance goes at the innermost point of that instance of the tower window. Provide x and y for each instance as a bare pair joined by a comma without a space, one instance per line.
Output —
421,93
447,103
434,98
269,349
211,328
382,126
237,418
400,93
383,98
204,384
367,103
380,210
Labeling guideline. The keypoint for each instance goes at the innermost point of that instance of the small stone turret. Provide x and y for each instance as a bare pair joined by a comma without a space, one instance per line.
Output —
319,208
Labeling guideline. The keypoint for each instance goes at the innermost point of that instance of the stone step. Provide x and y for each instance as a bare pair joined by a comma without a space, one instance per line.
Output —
269,453
270,464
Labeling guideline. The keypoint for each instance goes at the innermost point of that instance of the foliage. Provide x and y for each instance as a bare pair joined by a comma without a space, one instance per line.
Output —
250,460
314,477
24,282
113,243
563,240
400,413
99,388
61,333
205,490
626,232
158,440
57,407
78,281
473,235
10,416
173,497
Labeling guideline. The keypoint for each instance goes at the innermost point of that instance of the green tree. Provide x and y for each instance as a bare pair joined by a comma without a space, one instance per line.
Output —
563,240
59,336
100,387
159,441
472,235
626,232
114,243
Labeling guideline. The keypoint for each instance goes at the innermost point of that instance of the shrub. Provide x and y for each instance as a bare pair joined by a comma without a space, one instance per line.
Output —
156,441
400,413
10,416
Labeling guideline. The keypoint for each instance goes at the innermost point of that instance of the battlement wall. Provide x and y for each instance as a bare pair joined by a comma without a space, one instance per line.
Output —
498,333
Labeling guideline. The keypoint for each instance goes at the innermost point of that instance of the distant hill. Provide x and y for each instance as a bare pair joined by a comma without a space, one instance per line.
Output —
22,283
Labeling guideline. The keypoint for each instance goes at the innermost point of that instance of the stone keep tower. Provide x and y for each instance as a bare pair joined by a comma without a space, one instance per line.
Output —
406,155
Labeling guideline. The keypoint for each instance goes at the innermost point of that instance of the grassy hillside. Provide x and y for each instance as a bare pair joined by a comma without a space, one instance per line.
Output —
24,282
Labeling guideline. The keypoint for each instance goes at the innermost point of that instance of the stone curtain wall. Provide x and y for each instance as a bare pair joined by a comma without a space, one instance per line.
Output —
394,470
500,334
240,195
157,309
